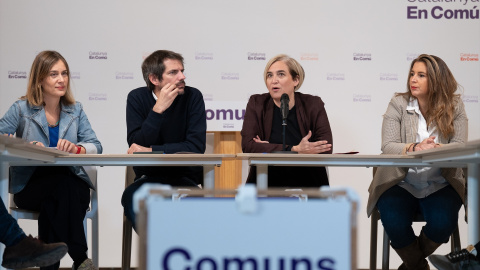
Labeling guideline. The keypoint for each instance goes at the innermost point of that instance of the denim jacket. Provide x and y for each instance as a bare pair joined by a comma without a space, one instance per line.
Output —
30,123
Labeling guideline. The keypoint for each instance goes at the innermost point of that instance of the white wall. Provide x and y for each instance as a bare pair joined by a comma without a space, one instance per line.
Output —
216,38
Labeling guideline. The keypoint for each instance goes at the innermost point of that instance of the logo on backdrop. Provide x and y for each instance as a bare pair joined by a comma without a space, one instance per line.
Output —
75,75
460,12
224,115
412,56
97,97
470,99
203,56
97,55
362,57
309,56
388,77
124,75
207,97
230,76
256,56
469,57
17,74
335,76
362,98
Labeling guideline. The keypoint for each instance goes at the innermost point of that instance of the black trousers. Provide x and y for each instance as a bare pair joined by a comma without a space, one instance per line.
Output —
62,200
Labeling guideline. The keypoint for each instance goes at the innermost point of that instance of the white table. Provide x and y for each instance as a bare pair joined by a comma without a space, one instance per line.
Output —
16,152
13,149
262,161
463,155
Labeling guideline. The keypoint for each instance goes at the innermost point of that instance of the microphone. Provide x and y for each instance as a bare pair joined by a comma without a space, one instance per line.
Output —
284,99
284,106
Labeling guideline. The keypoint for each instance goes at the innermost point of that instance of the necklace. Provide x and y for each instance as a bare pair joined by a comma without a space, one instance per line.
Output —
54,125
52,114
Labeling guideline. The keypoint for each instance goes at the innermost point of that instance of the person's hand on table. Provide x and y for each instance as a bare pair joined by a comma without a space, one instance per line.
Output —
68,146
428,143
138,148
37,143
306,147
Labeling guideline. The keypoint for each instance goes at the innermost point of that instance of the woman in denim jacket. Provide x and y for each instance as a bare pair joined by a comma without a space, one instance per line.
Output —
48,116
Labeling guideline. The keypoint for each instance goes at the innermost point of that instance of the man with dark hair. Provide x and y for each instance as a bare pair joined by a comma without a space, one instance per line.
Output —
167,116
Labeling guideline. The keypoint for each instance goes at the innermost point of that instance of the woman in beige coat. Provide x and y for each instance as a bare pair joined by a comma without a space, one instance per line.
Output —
428,115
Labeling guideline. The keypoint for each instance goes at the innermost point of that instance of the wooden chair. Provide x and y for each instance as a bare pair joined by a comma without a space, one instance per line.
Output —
127,226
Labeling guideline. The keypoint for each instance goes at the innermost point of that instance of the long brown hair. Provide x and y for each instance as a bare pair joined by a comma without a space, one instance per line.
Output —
41,67
441,93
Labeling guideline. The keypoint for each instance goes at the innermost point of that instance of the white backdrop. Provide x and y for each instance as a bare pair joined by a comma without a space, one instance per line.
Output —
356,54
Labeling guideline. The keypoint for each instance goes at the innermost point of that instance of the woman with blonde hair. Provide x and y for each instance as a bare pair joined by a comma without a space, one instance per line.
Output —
48,116
307,130
428,115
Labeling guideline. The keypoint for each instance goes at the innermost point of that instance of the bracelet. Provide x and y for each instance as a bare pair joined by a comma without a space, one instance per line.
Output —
79,149
414,145
408,148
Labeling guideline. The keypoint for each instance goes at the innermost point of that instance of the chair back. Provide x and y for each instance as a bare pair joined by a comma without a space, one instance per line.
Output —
92,214
129,176
127,225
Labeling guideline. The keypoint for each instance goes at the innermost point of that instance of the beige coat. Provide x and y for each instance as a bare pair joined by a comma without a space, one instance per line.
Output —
399,130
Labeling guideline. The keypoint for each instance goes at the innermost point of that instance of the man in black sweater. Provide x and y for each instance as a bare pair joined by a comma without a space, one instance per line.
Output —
166,116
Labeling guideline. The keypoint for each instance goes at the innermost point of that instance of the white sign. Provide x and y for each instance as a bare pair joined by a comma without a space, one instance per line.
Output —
282,233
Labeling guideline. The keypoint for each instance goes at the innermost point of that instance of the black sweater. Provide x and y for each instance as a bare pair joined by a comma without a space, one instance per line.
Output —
180,128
